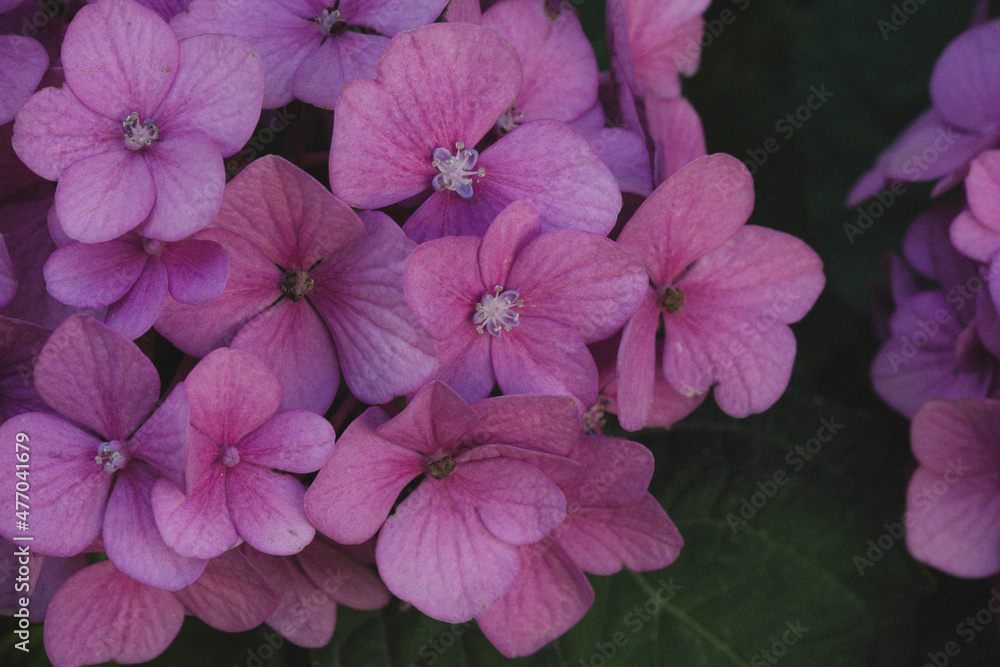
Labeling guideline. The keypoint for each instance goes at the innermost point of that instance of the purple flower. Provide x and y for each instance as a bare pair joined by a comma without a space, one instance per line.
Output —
239,449
93,468
132,275
23,62
963,121
311,584
938,337
451,546
518,307
310,48
388,146
313,291
167,9
611,521
20,344
137,135
953,501
725,292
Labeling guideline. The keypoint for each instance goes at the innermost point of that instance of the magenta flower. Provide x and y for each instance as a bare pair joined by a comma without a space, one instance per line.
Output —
611,522
137,622
441,67
939,338
311,48
450,547
23,62
518,307
654,42
137,136
93,468
239,450
725,292
132,276
963,121
953,501
167,9
975,232
311,584
313,291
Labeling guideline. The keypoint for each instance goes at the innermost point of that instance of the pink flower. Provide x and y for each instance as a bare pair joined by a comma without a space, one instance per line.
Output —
137,135
519,307
450,547
241,446
611,522
388,146
310,48
725,292
953,501
93,468
313,291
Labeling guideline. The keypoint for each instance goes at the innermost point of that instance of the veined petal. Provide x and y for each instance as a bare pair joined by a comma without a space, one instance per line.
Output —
230,595
94,274
292,440
24,63
135,313
267,509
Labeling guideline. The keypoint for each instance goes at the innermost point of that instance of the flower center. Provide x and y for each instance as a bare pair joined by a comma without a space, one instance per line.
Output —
296,285
510,120
495,312
442,468
330,20
152,246
672,300
230,457
455,169
111,456
139,135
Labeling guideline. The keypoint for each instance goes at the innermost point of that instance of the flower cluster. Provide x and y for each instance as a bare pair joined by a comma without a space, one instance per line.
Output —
939,364
469,272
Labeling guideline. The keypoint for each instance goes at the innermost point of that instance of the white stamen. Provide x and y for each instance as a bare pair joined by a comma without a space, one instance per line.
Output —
139,135
495,313
456,169
111,456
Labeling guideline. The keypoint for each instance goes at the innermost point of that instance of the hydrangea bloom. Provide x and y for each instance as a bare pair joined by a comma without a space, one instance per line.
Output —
239,450
725,292
963,121
93,468
937,336
307,292
611,521
518,307
132,275
137,135
449,548
440,67
310,48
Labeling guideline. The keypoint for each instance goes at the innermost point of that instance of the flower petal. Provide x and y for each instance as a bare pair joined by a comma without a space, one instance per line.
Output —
359,294
513,229
94,274
267,509
353,493
137,622
636,374
435,553
135,313
965,84
292,441
119,57
197,270
336,62
96,377
230,595
218,91
68,490
24,63
442,284
196,525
